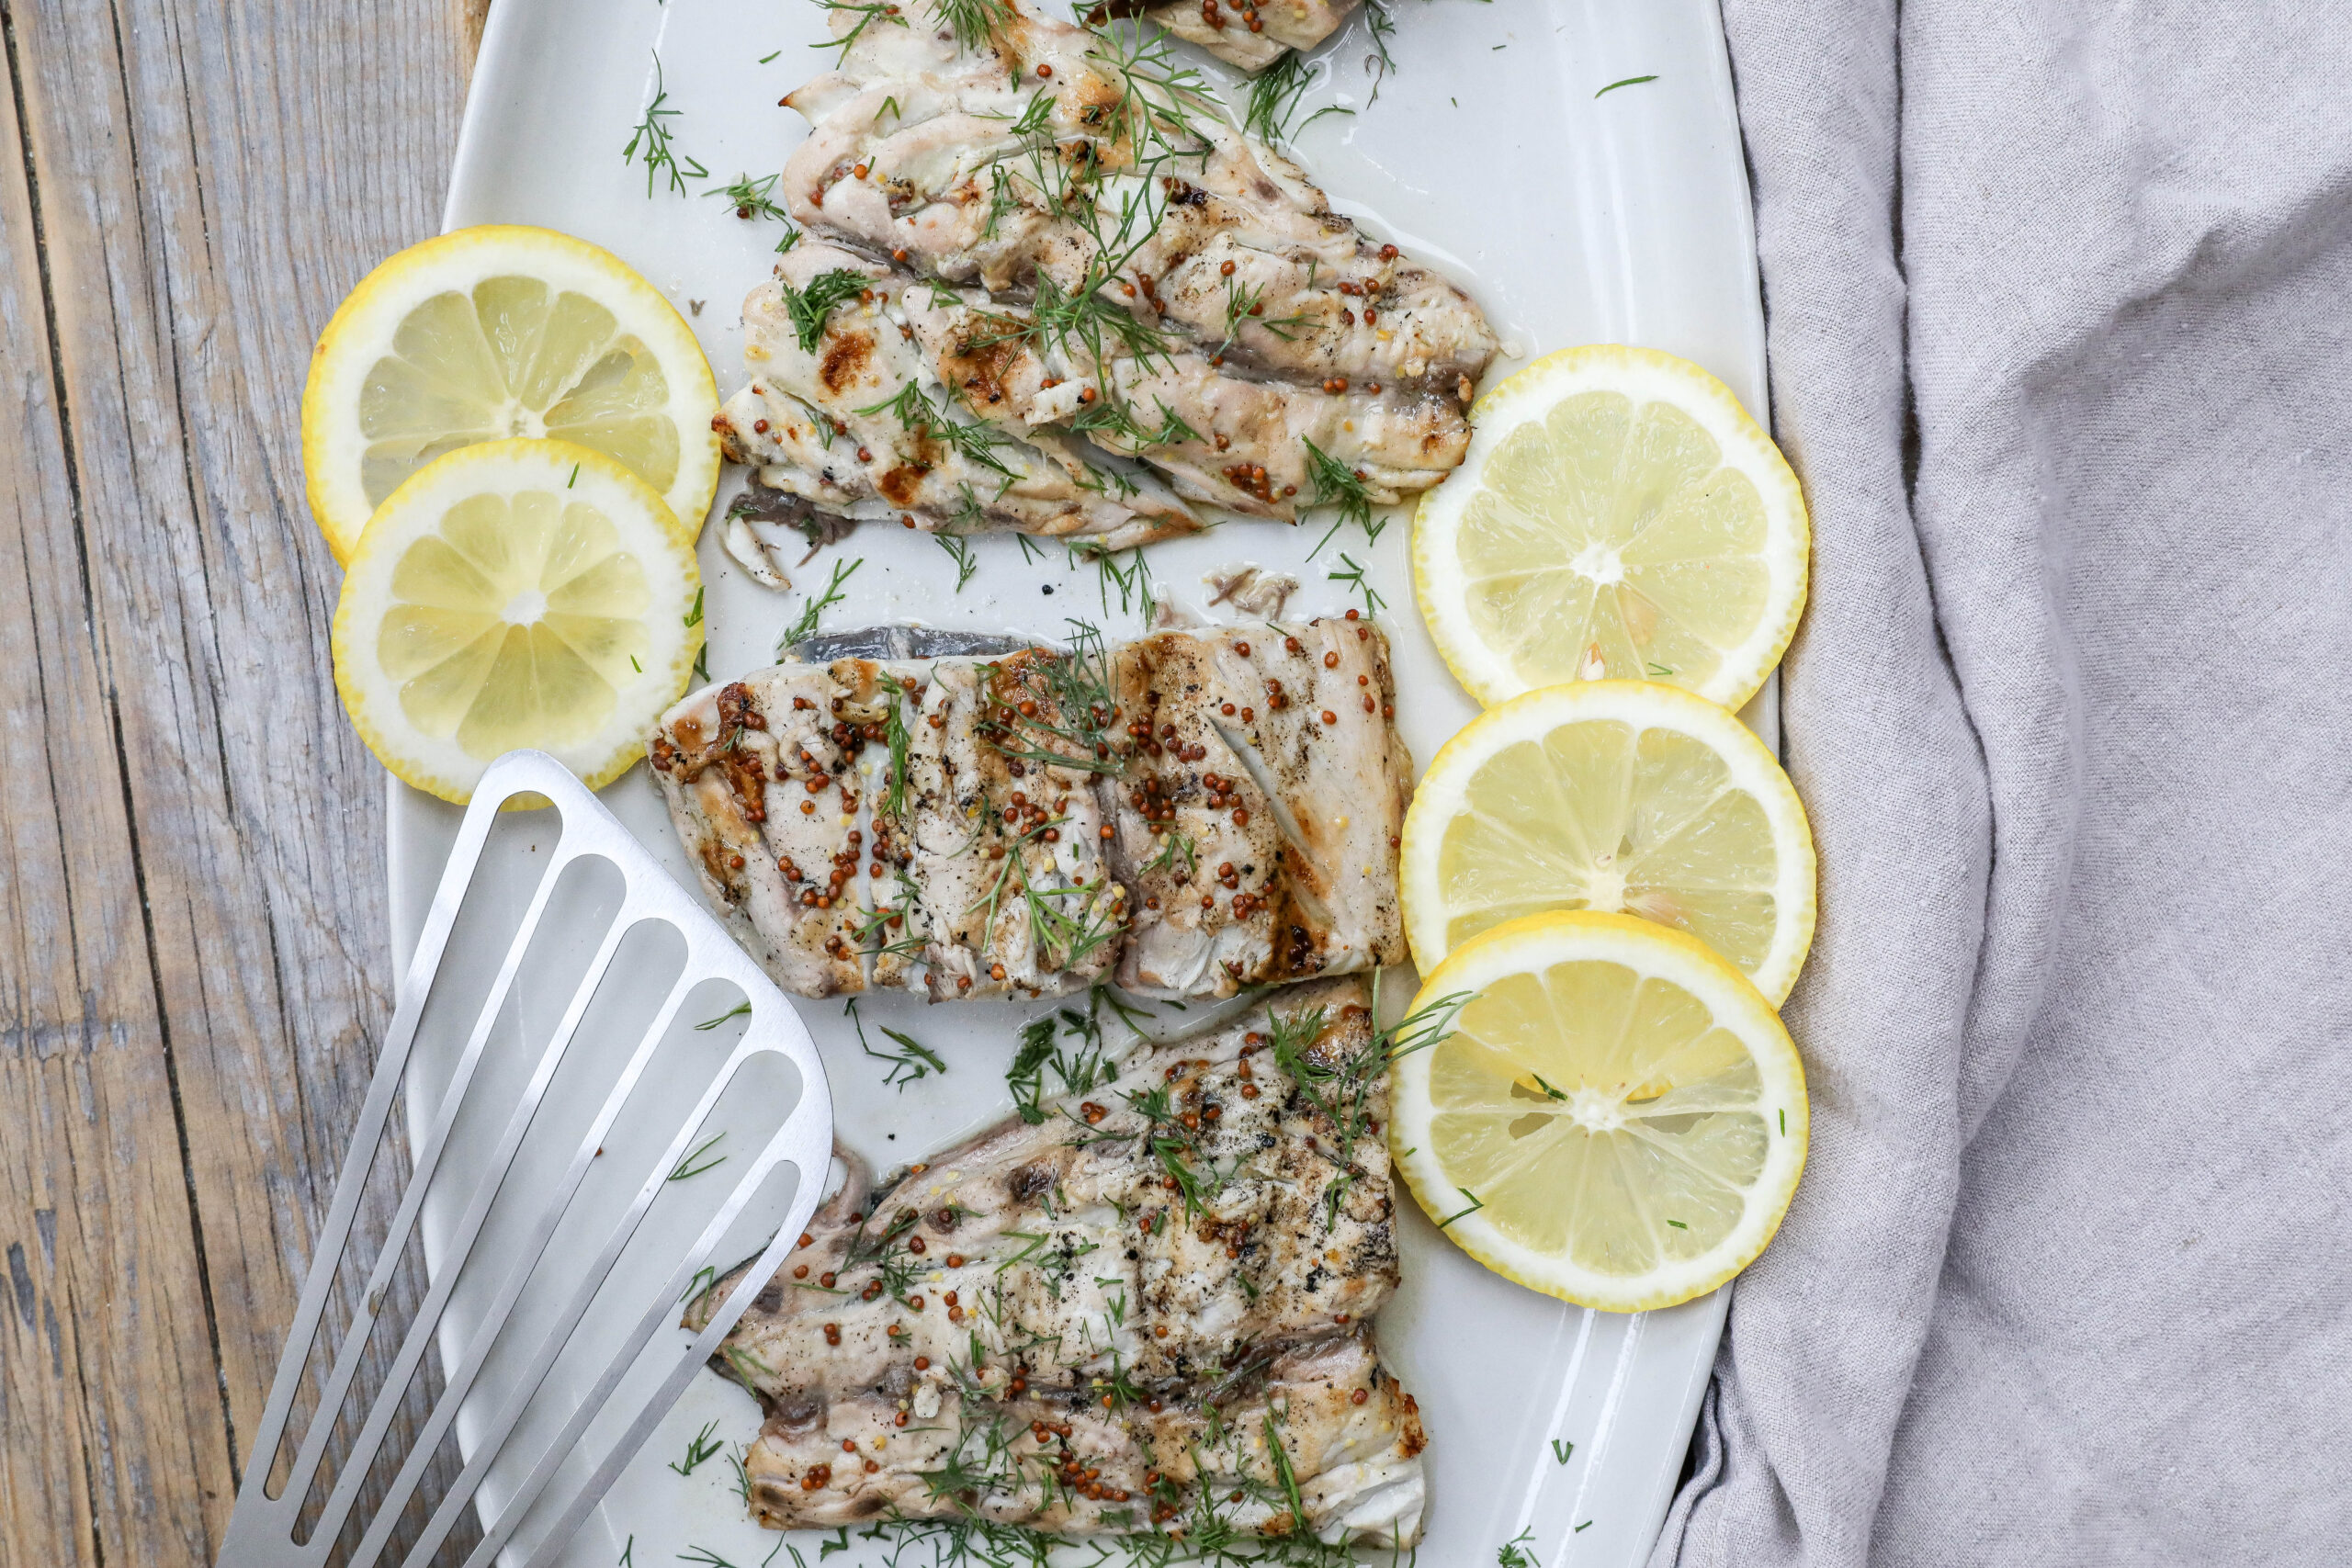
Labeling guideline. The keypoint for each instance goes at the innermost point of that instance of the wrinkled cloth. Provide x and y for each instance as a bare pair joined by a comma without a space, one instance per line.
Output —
2059,300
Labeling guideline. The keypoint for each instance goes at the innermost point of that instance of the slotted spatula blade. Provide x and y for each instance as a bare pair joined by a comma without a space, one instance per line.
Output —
548,1446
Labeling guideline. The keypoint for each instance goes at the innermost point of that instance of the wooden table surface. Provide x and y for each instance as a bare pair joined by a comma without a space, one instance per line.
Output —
196,965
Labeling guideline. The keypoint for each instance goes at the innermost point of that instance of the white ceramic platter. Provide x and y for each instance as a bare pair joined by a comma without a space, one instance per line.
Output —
1573,219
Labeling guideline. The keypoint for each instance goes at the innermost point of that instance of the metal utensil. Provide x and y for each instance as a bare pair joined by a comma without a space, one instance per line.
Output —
519,1422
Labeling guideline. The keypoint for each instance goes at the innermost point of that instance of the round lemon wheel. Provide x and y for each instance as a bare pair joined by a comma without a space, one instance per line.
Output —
1617,796
495,333
1617,1118
517,594
1617,515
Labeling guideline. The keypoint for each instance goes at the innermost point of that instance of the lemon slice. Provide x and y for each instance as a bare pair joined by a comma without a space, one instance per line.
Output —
494,332
517,594
1614,796
1617,1119
1618,517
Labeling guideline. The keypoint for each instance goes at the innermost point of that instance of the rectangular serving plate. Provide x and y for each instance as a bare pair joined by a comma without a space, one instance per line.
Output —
1572,217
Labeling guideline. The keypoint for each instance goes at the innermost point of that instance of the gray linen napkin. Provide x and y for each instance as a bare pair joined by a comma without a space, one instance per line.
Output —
2060,301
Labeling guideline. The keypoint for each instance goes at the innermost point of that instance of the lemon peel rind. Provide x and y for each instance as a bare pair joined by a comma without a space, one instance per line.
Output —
1644,705
557,460
1552,379
1648,949
404,280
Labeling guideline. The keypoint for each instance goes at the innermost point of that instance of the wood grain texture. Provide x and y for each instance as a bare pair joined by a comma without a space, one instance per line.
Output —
193,963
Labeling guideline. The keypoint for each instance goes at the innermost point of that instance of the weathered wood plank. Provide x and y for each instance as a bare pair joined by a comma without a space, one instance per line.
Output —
209,181
110,1414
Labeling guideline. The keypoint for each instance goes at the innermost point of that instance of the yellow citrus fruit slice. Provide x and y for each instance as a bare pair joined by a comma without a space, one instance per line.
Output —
1617,516
497,333
517,594
1617,1117
1614,796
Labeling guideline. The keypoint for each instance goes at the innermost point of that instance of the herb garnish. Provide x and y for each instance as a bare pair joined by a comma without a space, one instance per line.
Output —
809,307
1628,81
912,1062
1341,1089
1336,484
977,443
695,1164
752,199
703,1446
806,626
1077,1069
654,133
1354,577
959,550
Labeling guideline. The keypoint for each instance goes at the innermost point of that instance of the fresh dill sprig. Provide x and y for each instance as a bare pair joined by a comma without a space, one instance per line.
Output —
977,443
897,740
1336,484
703,1446
970,20
1174,847
910,1062
1354,576
1628,81
1132,580
752,199
1515,1554
1072,702
1476,1204
809,307
1274,94
698,1160
1339,1088
867,13
740,1010
1085,1063
654,135
806,626
959,550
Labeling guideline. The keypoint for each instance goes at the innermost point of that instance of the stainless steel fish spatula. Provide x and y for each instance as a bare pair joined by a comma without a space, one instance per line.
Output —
607,1106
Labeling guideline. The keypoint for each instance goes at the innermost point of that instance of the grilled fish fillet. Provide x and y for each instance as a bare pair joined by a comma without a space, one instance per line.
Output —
1226,30
857,425
1148,1309
1028,824
1144,254
1242,443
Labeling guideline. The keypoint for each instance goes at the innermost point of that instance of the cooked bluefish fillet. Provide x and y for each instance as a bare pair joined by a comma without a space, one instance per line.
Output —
1145,255
1273,855
1030,823
1227,31
845,409
737,766
1245,443
1113,1317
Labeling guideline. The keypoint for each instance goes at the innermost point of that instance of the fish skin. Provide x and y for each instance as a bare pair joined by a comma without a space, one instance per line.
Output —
870,465
1078,1269
1108,900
